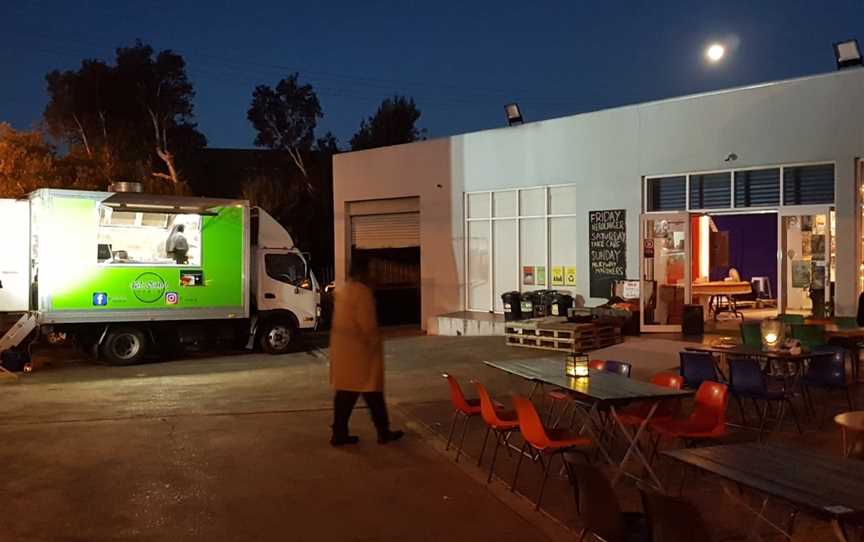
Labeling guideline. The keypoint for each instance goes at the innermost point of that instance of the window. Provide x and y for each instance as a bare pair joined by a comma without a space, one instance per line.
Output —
479,293
711,191
667,193
288,268
757,188
803,185
135,238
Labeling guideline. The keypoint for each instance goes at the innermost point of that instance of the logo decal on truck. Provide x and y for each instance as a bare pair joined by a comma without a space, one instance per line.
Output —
100,299
148,287
171,298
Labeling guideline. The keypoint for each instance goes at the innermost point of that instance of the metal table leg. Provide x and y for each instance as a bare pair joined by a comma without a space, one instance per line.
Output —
633,448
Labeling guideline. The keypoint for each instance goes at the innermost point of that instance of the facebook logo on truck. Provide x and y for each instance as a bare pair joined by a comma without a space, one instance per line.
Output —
100,299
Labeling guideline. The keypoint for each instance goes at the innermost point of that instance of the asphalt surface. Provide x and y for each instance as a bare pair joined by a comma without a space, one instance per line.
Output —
234,447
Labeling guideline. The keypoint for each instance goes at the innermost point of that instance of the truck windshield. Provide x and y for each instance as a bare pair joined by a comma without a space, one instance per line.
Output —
287,268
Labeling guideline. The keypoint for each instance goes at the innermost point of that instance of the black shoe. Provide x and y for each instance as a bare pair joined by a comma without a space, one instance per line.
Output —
390,436
342,441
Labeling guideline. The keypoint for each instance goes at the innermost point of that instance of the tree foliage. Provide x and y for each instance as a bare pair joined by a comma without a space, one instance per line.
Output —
393,123
133,119
285,118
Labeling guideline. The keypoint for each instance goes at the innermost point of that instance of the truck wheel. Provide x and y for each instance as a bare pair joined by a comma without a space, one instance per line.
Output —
275,337
124,346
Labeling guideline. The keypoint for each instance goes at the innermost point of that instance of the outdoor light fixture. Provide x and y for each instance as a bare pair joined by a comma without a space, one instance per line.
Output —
847,53
514,115
772,331
576,365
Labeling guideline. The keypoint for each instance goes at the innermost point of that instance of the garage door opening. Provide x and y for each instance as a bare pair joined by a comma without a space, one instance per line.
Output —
385,236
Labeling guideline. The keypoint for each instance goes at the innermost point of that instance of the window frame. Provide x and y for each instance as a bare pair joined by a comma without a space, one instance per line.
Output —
138,225
304,281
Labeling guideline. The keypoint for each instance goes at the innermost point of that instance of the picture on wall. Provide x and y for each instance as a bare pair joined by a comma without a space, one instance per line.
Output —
817,247
540,275
557,275
800,274
528,275
570,276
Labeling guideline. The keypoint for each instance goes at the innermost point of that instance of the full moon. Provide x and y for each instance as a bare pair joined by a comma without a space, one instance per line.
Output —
715,52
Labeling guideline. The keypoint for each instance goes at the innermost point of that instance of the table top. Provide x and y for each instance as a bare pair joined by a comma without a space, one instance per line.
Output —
721,287
600,386
747,350
826,485
852,420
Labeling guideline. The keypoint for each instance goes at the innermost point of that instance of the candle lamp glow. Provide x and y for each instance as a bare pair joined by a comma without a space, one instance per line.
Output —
772,333
576,365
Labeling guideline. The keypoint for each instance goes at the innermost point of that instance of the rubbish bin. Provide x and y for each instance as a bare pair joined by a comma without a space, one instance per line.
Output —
693,320
541,303
527,302
558,303
512,306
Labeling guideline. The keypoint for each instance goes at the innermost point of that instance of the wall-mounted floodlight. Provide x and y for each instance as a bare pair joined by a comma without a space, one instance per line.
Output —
514,114
847,53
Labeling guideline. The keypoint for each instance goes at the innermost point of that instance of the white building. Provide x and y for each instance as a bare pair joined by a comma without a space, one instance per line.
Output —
490,208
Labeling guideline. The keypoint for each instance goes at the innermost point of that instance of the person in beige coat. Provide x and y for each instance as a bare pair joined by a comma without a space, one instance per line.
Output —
357,360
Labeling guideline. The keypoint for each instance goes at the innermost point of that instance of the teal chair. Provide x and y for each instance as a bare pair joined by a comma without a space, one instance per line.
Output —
751,334
791,318
809,335
846,322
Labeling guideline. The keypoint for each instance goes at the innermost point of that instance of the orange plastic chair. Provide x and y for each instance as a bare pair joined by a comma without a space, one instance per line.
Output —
633,416
462,408
543,441
498,421
707,420
597,364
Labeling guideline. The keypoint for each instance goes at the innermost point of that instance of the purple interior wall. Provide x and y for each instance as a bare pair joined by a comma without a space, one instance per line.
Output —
752,246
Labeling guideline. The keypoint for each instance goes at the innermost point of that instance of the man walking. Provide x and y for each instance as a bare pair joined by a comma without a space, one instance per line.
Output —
357,360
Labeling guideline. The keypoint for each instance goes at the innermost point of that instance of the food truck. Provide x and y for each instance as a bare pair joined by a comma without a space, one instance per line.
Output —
126,273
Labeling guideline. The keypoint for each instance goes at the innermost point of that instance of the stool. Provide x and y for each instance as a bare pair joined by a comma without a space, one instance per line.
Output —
851,422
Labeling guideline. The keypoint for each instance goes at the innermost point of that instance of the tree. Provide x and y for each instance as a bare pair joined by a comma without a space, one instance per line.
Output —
27,162
127,118
285,118
395,122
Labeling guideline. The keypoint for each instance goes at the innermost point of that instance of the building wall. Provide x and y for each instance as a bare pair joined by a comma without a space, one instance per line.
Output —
606,153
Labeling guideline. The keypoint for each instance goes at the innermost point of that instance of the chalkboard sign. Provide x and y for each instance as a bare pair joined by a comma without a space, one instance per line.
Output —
607,244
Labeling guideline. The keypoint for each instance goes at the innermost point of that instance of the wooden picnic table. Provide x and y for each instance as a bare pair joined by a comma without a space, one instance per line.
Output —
826,486
600,389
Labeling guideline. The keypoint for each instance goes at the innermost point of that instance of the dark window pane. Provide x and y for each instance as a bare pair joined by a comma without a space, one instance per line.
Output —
757,188
710,191
808,184
287,268
667,194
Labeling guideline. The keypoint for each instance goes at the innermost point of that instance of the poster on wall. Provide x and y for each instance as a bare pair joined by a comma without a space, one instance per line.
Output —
528,275
817,247
540,275
800,274
607,245
557,275
570,276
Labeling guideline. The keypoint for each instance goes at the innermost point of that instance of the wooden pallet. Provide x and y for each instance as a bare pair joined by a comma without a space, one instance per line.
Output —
558,334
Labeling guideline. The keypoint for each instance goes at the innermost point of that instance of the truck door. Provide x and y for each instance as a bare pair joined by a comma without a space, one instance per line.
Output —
14,255
286,283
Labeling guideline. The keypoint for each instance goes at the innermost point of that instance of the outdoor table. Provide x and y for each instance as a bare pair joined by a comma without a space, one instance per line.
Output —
743,350
826,486
598,389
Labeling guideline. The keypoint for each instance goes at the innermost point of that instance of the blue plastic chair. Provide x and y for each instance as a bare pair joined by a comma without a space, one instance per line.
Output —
697,367
826,370
748,381
618,367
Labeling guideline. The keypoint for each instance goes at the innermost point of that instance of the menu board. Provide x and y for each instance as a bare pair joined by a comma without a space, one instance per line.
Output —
607,245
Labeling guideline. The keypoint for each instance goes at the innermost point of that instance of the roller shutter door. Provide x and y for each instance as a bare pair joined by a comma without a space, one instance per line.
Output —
392,230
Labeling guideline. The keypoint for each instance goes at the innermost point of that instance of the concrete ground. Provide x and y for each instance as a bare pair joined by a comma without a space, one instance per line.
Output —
234,447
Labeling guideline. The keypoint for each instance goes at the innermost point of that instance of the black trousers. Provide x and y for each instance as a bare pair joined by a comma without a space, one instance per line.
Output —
343,405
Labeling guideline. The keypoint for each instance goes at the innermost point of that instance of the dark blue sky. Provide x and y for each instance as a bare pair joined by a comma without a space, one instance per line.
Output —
461,61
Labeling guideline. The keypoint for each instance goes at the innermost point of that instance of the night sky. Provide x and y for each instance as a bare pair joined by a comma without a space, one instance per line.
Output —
461,61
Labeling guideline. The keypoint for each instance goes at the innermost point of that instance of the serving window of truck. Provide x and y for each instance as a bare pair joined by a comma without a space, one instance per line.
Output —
148,238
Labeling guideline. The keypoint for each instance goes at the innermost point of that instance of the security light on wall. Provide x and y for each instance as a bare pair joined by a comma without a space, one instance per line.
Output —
514,114
847,53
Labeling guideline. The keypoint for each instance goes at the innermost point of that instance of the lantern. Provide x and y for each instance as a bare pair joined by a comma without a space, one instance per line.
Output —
772,333
576,365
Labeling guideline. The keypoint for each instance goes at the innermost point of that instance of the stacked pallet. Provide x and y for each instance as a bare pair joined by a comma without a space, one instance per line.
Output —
556,333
